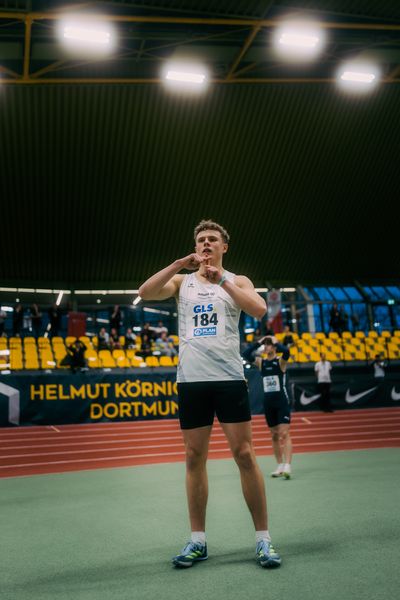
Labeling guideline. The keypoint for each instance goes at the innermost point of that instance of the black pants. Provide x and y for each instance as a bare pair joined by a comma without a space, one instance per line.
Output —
325,401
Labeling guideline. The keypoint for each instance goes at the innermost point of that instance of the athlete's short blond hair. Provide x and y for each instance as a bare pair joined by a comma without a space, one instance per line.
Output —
208,224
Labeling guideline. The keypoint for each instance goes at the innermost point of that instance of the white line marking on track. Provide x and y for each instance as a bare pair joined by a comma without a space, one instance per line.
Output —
306,420
178,453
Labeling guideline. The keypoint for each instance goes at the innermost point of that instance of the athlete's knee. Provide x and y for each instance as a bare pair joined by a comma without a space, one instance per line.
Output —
275,436
244,456
195,457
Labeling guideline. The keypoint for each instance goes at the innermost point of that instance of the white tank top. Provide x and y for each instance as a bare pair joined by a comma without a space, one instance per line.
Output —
209,345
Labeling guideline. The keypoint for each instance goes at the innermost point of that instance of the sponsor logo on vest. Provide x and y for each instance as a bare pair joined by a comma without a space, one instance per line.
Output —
350,398
13,402
304,400
394,395
204,331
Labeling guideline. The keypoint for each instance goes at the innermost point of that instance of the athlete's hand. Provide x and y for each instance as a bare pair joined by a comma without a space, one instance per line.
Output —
192,261
213,274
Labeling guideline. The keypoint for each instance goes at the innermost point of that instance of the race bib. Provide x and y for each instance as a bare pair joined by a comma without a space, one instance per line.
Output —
206,321
271,384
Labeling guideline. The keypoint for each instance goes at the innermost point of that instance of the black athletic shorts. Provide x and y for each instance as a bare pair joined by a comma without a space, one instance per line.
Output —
277,415
200,401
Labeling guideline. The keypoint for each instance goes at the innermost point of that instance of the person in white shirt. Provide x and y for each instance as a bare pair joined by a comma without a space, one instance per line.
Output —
323,371
211,379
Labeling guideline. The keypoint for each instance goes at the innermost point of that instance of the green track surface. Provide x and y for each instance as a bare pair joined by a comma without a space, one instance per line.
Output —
108,534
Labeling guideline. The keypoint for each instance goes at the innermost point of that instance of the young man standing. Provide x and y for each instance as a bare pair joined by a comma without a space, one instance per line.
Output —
276,399
323,370
211,379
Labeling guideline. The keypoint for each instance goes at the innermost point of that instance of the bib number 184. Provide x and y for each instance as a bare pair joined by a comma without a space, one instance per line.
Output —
204,320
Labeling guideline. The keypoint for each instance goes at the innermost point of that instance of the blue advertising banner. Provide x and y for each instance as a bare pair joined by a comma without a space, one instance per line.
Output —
95,396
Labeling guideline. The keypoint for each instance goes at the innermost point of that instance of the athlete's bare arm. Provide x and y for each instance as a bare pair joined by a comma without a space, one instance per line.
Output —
166,283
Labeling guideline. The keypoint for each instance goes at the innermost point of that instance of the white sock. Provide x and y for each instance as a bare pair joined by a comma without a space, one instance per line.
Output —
280,466
198,537
262,535
287,468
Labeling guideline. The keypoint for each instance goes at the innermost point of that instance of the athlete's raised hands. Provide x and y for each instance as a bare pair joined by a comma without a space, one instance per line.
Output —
192,261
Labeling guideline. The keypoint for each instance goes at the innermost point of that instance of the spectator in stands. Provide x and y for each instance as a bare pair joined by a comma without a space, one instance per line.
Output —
335,319
344,320
114,340
54,319
3,316
158,330
103,339
287,339
323,371
355,320
18,319
116,319
379,367
76,355
146,345
165,346
147,330
36,317
130,339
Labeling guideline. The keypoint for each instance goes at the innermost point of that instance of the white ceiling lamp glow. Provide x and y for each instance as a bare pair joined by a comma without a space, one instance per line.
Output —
358,77
85,34
185,76
299,40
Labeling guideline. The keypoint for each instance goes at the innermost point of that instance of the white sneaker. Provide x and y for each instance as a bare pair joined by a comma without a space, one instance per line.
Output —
278,471
287,471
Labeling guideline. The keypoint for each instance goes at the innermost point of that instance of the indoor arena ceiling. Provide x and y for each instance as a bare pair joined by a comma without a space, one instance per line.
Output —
104,173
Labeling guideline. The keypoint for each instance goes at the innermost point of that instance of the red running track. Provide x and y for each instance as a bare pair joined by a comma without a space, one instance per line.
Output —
56,449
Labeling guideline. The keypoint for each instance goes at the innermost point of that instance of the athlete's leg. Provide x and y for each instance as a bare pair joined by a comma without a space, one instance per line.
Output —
283,432
276,444
240,441
196,446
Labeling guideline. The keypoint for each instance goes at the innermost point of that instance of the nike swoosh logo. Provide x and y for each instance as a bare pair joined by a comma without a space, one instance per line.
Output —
394,395
304,400
350,398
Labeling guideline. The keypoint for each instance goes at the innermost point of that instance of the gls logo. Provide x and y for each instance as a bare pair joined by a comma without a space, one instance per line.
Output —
13,402
202,308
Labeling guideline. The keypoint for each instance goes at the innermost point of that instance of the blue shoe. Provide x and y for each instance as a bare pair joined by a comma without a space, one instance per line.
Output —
266,555
191,553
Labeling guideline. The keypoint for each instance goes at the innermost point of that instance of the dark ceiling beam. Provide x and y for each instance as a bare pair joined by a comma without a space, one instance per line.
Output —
157,80
38,16
27,47
243,51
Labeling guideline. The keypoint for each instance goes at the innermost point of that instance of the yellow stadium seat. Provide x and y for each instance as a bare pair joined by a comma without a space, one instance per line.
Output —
333,335
106,360
120,358
70,339
372,334
130,353
92,359
137,361
360,334
360,355
396,333
166,361
174,339
320,336
306,336
152,361
346,335
386,334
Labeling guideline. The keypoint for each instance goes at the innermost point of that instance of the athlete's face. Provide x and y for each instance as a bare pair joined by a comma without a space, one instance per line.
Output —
209,243
270,350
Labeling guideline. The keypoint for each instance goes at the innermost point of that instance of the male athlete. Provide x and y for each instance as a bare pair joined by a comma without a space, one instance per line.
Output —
211,379
276,399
